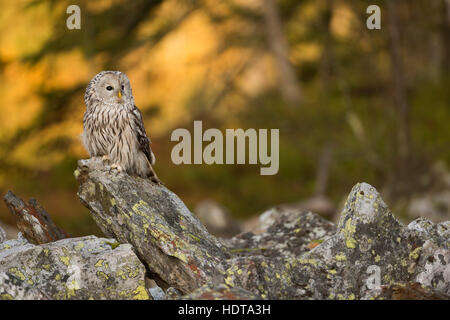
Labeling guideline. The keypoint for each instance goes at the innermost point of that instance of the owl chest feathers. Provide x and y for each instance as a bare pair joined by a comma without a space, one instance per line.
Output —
110,131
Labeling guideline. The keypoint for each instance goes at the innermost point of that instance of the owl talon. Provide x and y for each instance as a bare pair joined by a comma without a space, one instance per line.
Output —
117,167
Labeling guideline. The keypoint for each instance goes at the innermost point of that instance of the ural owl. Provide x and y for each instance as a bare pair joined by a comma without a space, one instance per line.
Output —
113,126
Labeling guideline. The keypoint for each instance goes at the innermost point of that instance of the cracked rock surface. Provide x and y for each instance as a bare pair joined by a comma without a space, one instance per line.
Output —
166,236
369,249
293,254
74,268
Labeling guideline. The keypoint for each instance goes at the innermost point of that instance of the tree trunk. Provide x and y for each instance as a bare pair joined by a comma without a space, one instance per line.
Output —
399,94
289,87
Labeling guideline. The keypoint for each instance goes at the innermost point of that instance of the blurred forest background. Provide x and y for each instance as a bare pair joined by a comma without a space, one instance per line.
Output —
351,104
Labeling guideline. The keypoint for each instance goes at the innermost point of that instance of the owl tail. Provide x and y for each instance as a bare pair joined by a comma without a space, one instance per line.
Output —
153,177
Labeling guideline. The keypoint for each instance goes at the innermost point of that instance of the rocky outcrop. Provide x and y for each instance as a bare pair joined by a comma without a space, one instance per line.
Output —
168,238
283,232
75,268
295,254
161,251
369,249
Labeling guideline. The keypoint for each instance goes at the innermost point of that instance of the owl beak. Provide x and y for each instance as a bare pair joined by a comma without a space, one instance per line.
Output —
119,94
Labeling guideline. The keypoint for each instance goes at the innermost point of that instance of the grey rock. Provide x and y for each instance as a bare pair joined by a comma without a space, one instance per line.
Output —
11,288
14,243
294,254
289,232
74,268
172,294
166,236
157,293
438,233
370,248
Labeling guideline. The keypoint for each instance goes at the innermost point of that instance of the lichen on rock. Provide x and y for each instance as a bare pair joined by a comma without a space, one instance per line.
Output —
166,236
73,268
369,249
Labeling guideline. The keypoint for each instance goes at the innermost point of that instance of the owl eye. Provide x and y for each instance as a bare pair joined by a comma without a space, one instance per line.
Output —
122,87
109,88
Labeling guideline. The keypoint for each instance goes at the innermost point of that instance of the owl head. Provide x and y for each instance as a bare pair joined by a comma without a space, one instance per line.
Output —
109,87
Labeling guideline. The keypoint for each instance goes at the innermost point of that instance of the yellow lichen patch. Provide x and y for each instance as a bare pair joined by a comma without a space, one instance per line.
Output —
133,272
377,258
113,245
229,281
415,253
139,207
65,260
194,237
57,277
332,271
6,296
79,245
145,226
46,266
46,251
140,293
341,257
122,274
308,261
113,201
348,231
102,275
70,293
351,297
17,273
73,285
99,263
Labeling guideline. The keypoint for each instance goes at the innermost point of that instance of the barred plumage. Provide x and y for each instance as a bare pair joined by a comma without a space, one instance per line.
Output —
113,125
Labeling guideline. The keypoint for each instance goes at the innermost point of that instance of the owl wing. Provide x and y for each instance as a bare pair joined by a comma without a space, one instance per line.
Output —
143,140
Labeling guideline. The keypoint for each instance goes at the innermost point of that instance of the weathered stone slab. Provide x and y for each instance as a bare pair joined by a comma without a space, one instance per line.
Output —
166,236
370,248
74,268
